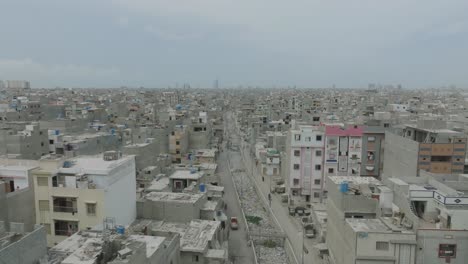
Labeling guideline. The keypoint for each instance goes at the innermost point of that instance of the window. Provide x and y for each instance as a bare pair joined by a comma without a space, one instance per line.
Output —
316,195
51,141
296,166
42,144
44,205
296,181
371,139
447,250
317,182
315,118
441,158
42,181
297,137
380,245
90,208
177,152
318,137
308,139
318,167
195,258
318,153
297,153
331,170
177,142
386,125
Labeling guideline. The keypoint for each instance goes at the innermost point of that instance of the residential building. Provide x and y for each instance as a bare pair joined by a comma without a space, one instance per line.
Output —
304,148
357,231
178,143
76,194
343,150
95,247
18,246
428,146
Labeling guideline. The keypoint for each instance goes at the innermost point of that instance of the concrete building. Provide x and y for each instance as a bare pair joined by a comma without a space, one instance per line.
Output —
20,247
436,207
305,147
434,149
91,247
76,194
17,193
178,143
343,150
356,232
201,241
373,140
30,143
172,207
17,84
201,133
182,179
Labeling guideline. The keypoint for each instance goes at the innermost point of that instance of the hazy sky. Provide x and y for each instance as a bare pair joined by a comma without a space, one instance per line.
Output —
258,42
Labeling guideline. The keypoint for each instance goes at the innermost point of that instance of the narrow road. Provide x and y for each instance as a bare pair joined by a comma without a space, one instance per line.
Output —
239,251
303,247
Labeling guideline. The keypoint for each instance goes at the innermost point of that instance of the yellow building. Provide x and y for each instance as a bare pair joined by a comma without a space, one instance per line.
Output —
77,194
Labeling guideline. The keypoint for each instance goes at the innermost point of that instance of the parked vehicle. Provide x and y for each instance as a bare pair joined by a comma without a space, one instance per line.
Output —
292,211
309,231
300,211
234,223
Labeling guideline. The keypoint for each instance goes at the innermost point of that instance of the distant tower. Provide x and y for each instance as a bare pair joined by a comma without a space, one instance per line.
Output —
216,84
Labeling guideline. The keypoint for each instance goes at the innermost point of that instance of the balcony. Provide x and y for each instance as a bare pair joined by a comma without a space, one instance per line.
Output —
65,205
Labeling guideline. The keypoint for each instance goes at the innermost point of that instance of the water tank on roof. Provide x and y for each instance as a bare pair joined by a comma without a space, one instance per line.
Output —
120,229
57,132
202,187
344,187
67,164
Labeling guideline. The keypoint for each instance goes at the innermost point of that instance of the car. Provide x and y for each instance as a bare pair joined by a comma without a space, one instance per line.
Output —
292,211
234,223
300,211
309,230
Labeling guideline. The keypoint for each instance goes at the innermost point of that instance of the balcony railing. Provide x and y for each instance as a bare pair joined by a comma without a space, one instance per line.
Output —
65,232
65,209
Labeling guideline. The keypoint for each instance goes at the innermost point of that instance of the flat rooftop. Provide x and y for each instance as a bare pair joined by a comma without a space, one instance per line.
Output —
94,164
158,185
355,180
186,175
174,197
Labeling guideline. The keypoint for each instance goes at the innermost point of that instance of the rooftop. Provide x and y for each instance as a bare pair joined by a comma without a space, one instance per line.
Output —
355,180
186,174
94,164
174,197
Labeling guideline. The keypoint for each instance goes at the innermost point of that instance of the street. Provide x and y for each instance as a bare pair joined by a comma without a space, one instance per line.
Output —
289,224
239,251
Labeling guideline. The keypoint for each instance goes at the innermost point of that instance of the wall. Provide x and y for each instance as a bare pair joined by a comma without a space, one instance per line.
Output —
401,156
120,197
428,246
30,249
18,206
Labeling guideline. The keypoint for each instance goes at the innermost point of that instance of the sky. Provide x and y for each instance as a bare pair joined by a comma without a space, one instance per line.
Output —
306,43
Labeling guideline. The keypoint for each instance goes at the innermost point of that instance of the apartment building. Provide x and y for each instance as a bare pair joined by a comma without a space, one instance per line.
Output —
343,150
428,146
178,143
30,143
373,140
304,147
358,229
76,194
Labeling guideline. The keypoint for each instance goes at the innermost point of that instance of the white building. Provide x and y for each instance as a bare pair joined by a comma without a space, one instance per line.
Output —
77,194
304,148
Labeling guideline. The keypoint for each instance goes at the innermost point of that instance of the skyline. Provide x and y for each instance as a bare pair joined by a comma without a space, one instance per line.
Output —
307,44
